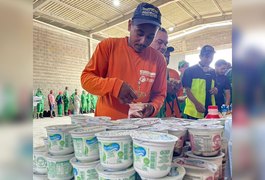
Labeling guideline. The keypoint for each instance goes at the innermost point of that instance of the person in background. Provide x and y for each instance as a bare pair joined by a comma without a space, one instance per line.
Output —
84,102
199,82
40,105
223,84
174,89
66,101
59,101
77,102
160,44
182,66
51,101
89,103
127,70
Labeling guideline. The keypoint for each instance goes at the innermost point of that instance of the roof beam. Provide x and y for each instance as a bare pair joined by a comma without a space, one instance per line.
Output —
186,10
39,4
191,8
78,10
157,3
199,22
218,6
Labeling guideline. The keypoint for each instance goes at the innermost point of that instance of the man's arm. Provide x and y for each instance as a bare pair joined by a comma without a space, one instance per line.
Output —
227,97
93,78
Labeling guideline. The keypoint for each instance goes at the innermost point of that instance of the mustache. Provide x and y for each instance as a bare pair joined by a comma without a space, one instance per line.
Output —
141,46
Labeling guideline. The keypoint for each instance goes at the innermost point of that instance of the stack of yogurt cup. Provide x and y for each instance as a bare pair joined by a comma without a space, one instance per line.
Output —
116,158
60,152
86,152
206,148
39,163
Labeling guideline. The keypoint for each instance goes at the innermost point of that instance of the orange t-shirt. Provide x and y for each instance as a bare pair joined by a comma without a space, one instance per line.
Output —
115,62
174,75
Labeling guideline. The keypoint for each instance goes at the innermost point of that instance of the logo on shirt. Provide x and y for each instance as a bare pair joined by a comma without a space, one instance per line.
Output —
147,76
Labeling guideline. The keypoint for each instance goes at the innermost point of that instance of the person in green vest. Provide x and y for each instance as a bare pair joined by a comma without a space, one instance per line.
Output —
88,103
40,105
72,101
59,101
93,100
66,101
84,102
199,83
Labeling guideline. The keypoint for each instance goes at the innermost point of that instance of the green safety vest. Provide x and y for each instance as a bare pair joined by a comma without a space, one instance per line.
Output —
198,89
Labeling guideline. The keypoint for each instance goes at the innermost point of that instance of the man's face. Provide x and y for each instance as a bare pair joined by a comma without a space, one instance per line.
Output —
160,41
220,70
207,59
141,36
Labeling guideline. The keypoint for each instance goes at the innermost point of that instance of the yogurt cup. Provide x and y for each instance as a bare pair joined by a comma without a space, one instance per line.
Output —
155,129
147,122
127,120
39,160
45,142
59,139
216,160
152,153
105,174
78,119
86,143
179,132
115,149
84,171
122,127
177,172
205,140
197,168
59,167
37,176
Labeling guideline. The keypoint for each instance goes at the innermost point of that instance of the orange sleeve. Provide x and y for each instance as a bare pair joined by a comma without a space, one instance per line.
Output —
159,88
94,77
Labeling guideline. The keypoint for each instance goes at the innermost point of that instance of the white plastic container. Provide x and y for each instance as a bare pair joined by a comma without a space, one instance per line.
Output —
122,127
152,153
60,140
180,132
177,172
86,143
84,171
59,167
155,129
39,160
115,149
216,160
147,122
127,121
197,168
37,176
205,140
105,174
78,119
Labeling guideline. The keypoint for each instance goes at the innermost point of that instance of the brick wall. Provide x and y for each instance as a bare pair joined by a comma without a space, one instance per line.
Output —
58,59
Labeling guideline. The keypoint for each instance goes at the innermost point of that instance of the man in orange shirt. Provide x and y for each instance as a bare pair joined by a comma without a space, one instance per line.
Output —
126,70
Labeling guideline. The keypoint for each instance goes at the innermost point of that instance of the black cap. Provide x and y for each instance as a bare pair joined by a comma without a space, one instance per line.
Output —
207,50
147,14
170,49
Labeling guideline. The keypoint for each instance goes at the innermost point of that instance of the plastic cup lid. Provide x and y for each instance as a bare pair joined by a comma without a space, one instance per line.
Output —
154,137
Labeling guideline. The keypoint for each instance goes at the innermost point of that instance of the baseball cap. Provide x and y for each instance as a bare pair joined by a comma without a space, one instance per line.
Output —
146,13
170,49
182,64
207,50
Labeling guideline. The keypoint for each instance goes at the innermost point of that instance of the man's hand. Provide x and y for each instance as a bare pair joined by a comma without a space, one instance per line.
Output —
173,86
213,91
126,94
200,108
148,110
144,112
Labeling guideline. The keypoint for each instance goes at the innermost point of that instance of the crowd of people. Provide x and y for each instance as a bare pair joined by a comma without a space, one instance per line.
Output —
134,69
66,104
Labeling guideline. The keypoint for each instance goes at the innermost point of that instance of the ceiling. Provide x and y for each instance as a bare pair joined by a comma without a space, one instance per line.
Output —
100,19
